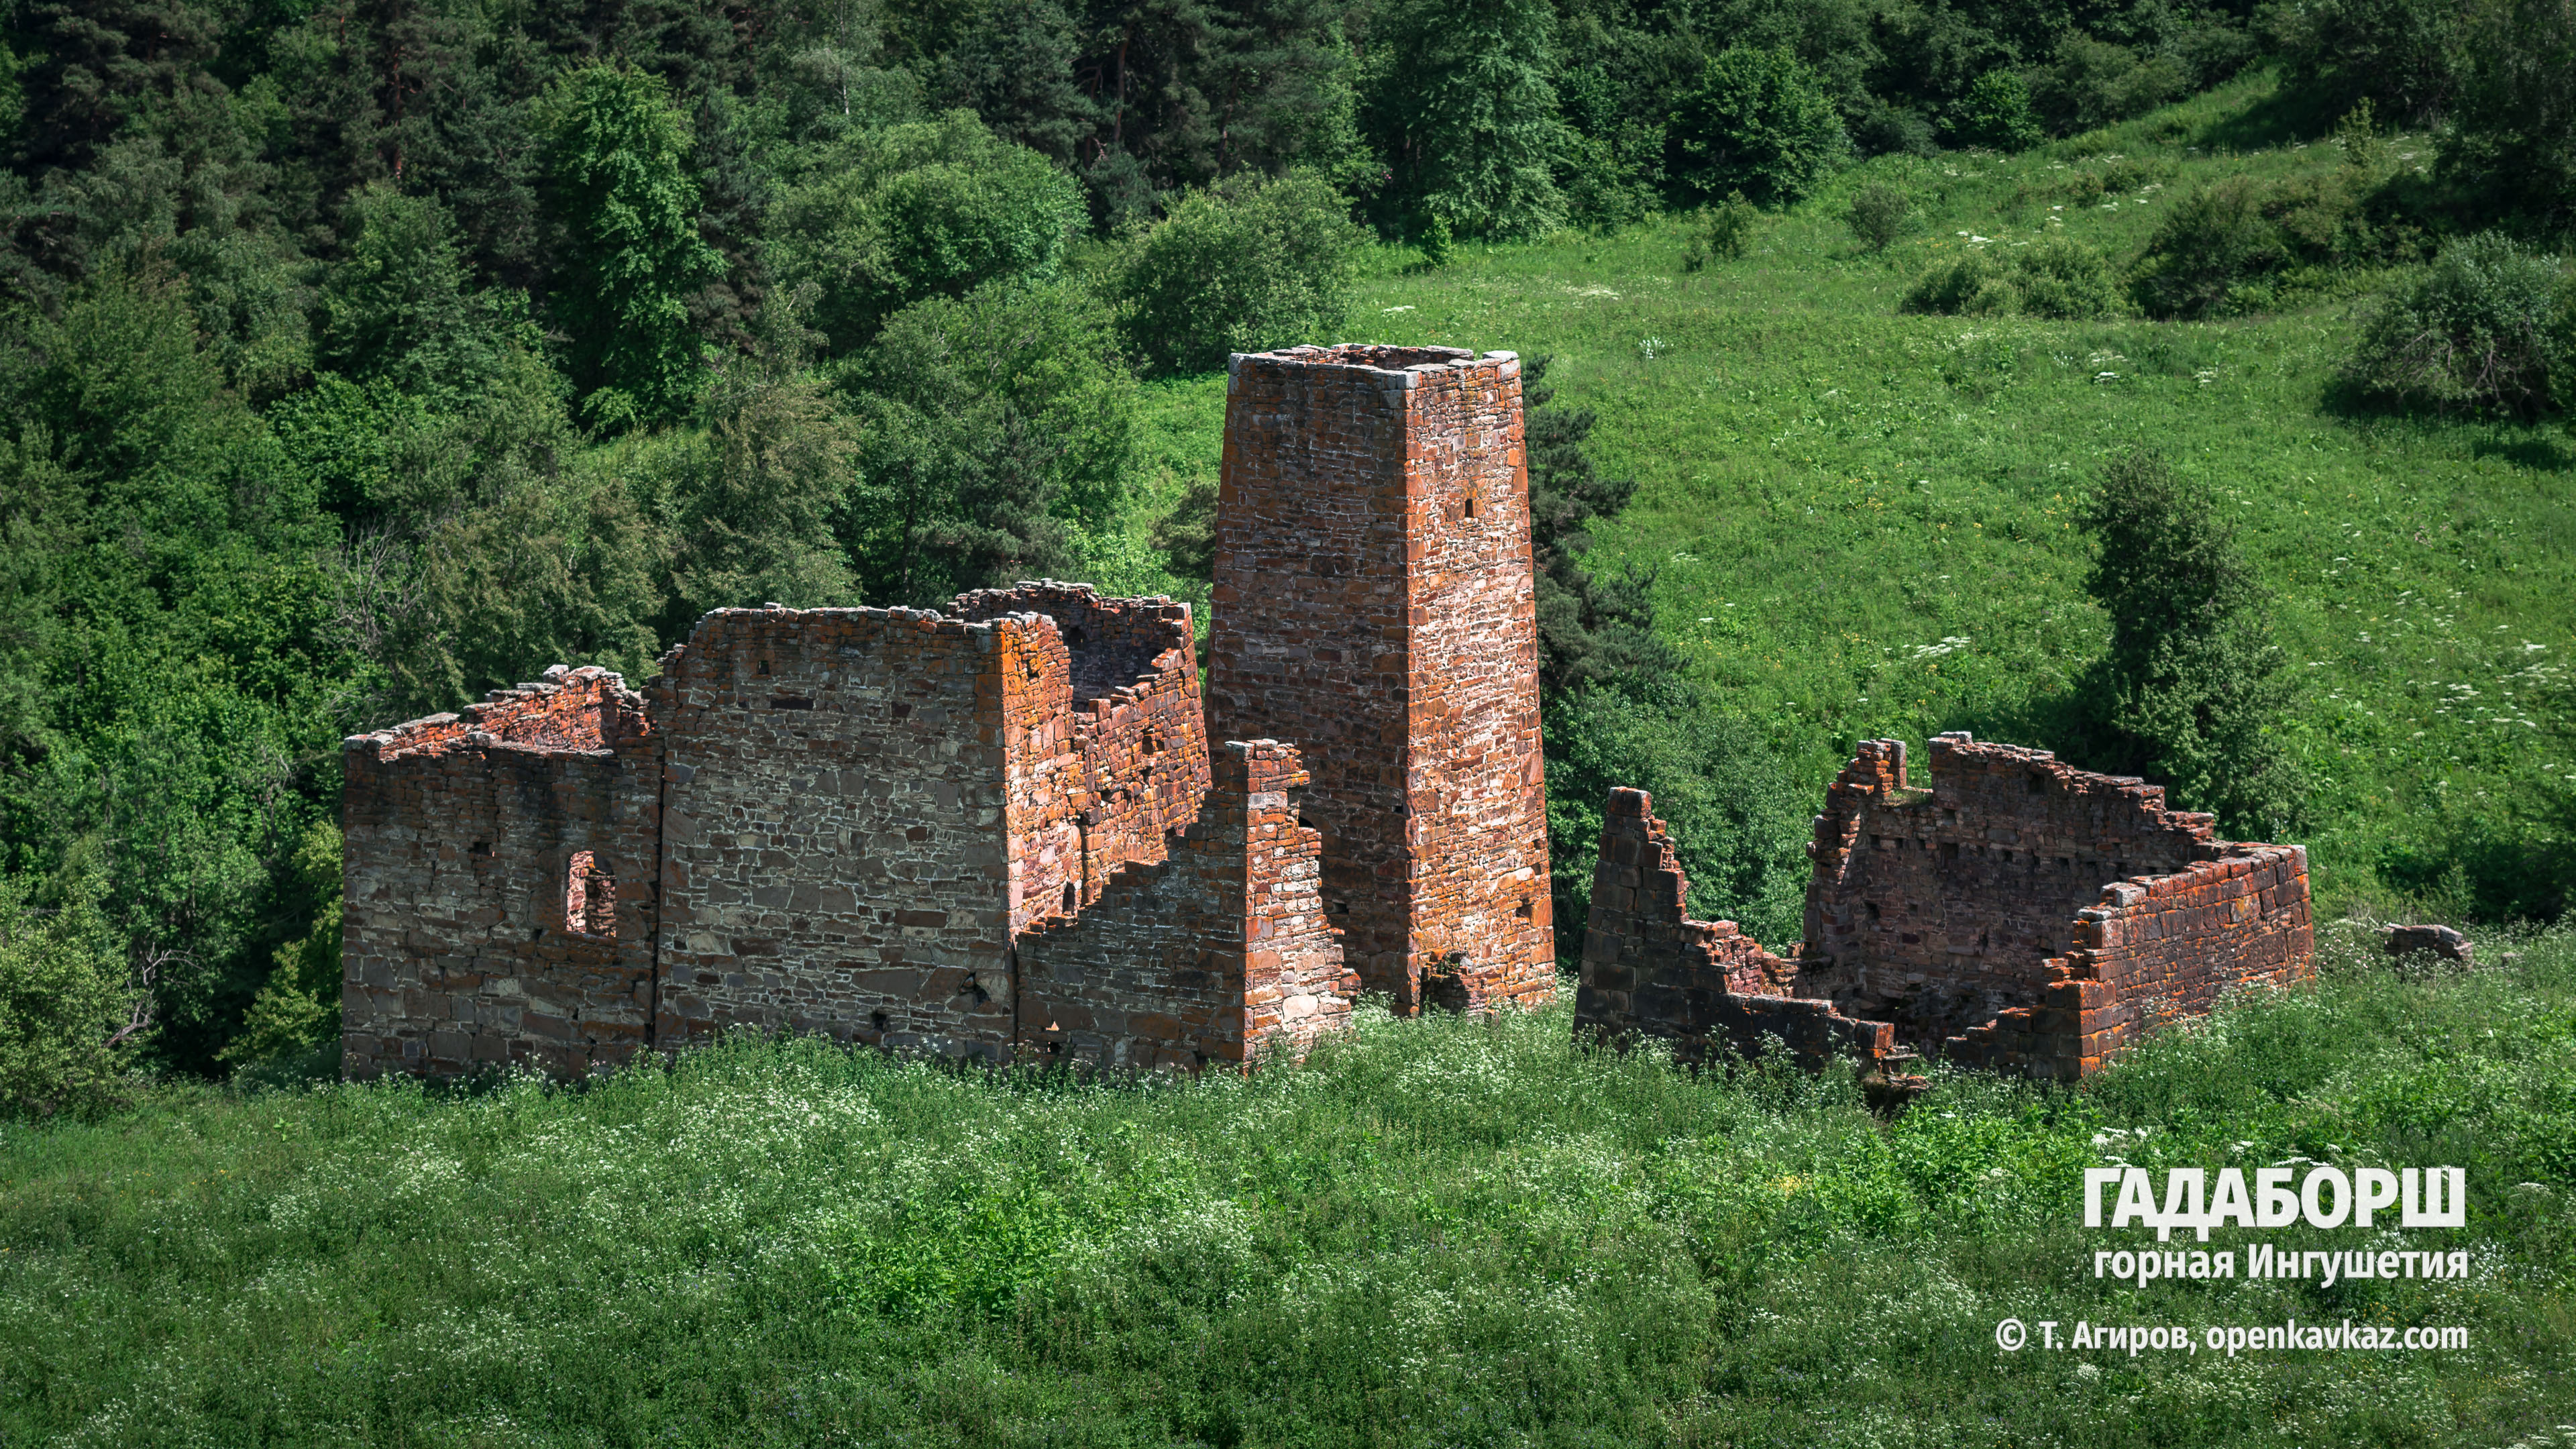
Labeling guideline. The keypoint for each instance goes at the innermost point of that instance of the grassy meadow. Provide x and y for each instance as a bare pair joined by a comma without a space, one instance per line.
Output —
1857,520
1436,1232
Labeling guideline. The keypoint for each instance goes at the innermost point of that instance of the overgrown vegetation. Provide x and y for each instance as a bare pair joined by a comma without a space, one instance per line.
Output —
1544,1244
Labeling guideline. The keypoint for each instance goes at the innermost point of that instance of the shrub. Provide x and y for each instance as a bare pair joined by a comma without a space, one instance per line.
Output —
2404,55
69,1022
2229,246
1879,214
2059,277
1971,284
2490,326
1756,121
1721,233
2064,278
1997,112
1239,268
2090,83
933,209
2512,146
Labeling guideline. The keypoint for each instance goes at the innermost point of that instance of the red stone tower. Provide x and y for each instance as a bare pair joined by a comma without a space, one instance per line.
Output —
1373,604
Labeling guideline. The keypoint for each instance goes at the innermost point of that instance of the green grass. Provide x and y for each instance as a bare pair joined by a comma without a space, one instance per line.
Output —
1859,526
1436,1232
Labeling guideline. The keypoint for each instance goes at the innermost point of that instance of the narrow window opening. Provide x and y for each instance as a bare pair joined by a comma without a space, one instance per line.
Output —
590,897
877,1019
1525,908
2038,783
1471,505
1072,897
1871,907
480,847
763,667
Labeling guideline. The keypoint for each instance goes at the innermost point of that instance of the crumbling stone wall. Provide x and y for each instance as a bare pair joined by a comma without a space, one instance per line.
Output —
2156,949
2013,913
1373,595
1204,956
1936,908
1137,729
1650,970
460,833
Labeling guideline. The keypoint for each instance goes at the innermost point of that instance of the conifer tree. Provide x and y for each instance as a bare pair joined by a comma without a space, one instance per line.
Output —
617,154
2187,693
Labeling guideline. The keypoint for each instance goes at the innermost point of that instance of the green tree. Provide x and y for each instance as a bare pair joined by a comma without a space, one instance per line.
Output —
988,420
616,161
1757,121
1997,112
2190,688
1460,103
752,519
1242,267
400,307
70,1022
2513,146
1878,215
295,1019
932,209
1592,629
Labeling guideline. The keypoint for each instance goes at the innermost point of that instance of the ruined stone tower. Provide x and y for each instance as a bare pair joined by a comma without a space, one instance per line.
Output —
1373,601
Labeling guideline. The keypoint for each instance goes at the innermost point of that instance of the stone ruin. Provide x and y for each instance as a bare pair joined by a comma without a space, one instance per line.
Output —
2013,913
1000,832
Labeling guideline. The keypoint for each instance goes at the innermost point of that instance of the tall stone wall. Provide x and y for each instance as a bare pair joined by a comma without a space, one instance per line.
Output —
1373,596
1205,956
1937,908
1651,971
839,856
461,834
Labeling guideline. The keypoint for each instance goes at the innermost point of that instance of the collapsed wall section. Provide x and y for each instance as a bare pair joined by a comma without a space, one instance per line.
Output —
490,886
1937,908
1213,954
1373,595
1650,970
2152,950
1136,730
854,809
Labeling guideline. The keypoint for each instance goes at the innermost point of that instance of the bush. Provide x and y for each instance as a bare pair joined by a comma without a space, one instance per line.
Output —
1997,112
933,209
2231,247
1240,268
2404,55
2489,327
2090,83
69,1022
1756,121
2059,277
2512,146
1879,215
2064,278
1721,233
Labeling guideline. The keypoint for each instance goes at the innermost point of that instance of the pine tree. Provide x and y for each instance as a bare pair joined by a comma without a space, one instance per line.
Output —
1463,108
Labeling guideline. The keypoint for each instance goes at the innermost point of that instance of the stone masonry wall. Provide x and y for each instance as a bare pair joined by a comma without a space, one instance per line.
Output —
1373,602
1138,728
838,850
1204,956
2153,950
1937,908
1971,915
1650,970
460,836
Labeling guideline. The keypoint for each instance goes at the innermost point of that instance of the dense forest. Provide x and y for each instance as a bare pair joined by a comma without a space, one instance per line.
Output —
362,357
